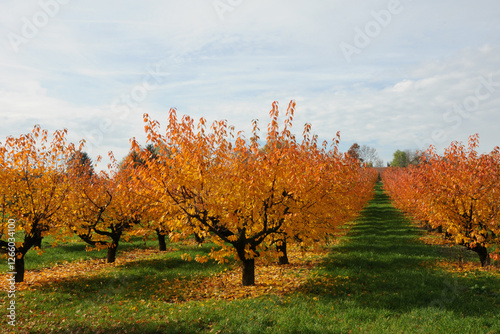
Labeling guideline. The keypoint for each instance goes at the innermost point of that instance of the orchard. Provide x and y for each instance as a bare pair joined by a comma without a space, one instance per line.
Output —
204,228
244,195
457,193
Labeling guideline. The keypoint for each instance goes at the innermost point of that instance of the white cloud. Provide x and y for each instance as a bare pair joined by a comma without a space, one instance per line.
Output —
397,93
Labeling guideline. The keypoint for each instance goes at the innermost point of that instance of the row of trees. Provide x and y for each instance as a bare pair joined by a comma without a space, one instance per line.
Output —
457,193
213,183
368,156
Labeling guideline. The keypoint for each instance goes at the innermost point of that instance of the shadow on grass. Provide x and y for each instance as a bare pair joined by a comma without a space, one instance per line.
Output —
382,265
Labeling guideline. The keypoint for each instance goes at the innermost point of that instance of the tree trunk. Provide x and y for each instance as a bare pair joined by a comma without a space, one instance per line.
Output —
248,265
30,240
199,239
161,241
484,257
248,278
281,247
38,243
112,252
19,269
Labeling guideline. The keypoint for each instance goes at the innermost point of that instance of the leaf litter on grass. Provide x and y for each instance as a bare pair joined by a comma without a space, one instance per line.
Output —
459,265
34,279
271,278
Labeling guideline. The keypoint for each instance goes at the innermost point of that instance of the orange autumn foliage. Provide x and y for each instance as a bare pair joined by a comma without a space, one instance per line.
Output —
33,189
103,207
243,194
459,191
218,184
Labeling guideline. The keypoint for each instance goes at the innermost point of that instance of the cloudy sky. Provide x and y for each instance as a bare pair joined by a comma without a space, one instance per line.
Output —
388,74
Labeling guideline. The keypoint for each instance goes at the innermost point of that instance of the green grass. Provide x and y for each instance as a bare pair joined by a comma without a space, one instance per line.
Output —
375,281
72,250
